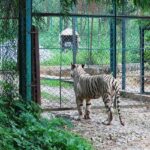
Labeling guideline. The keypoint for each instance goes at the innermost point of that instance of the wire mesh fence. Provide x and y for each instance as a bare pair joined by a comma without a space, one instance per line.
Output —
8,58
87,36
88,40
92,47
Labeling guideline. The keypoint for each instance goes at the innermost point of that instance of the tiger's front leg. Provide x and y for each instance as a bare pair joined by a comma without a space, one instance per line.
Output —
79,102
88,109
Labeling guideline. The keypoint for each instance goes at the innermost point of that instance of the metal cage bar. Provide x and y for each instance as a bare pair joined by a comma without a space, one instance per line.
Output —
142,60
90,15
36,90
25,21
123,50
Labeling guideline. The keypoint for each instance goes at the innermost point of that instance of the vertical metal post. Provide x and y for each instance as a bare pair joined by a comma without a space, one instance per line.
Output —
25,10
61,50
88,36
74,37
123,51
141,60
76,20
28,48
36,90
99,28
114,39
91,36
111,44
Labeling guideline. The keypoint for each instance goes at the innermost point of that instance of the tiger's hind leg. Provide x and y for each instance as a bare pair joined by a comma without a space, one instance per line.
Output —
88,109
79,102
108,104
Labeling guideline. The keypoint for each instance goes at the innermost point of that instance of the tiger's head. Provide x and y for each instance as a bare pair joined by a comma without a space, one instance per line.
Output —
76,70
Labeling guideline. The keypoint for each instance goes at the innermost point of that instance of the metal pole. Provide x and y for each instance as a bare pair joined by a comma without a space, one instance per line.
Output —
91,15
88,42
123,51
74,37
76,20
88,37
99,28
141,60
36,90
28,48
25,21
115,39
91,36
61,50
111,44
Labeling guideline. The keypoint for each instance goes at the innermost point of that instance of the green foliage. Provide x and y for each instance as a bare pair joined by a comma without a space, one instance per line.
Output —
147,57
83,56
8,9
66,5
147,49
101,49
22,128
9,65
145,5
133,56
61,123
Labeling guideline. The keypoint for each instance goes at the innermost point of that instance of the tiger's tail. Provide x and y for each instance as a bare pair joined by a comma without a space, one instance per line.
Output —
117,101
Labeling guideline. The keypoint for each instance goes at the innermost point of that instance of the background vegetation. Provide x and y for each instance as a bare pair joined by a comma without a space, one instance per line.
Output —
94,32
99,51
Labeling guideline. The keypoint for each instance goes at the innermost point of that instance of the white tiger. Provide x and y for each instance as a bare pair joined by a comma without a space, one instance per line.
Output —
92,87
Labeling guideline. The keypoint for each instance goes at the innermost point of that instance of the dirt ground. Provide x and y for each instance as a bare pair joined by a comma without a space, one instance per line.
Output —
134,135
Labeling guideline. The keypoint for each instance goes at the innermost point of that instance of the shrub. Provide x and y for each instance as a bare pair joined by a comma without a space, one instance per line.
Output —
22,128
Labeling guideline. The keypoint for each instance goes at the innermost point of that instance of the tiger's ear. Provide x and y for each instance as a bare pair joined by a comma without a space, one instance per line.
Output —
73,66
82,65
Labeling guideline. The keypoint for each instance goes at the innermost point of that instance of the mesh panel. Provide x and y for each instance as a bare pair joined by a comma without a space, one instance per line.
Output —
8,58
79,39
59,50
89,40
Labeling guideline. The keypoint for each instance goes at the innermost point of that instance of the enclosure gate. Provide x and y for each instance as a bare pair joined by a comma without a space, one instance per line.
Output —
98,40
57,90
145,53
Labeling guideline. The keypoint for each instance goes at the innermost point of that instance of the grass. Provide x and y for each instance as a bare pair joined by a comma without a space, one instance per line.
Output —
55,83
55,60
49,96
52,97
101,57
83,57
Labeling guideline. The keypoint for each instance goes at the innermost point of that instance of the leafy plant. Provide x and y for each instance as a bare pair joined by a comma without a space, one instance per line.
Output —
22,128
